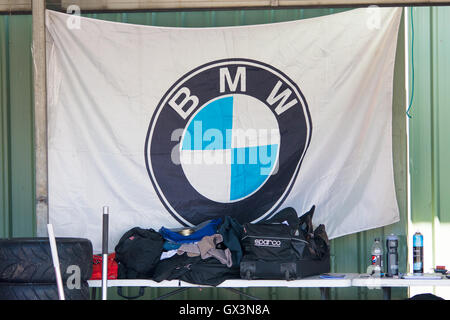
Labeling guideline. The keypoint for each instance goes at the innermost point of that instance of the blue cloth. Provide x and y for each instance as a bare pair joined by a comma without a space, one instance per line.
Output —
169,245
330,276
208,230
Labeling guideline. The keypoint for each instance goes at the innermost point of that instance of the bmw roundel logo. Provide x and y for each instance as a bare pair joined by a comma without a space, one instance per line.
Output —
227,138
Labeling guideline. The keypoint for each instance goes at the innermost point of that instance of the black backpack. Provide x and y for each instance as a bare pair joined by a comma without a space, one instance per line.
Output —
137,253
284,247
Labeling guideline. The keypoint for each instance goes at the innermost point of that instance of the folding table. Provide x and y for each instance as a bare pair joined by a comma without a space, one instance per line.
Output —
310,282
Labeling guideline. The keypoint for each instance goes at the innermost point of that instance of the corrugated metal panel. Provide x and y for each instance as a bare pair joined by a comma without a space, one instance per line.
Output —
349,254
17,160
430,135
4,132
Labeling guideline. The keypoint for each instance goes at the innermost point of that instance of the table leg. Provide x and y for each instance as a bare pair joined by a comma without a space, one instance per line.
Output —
94,293
387,293
164,296
242,293
325,293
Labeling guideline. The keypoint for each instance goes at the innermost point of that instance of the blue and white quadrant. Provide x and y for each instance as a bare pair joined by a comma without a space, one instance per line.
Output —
230,147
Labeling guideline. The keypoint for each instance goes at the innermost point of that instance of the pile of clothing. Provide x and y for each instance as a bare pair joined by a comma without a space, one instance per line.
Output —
206,254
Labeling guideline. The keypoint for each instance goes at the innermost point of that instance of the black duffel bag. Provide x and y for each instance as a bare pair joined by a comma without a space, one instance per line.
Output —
285,247
137,253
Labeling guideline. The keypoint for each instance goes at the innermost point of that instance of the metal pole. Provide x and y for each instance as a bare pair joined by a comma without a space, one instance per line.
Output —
410,229
145,5
40,115
105,253
109,5
54,251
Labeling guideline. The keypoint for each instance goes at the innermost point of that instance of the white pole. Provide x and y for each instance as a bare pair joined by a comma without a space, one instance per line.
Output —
55,259
105,253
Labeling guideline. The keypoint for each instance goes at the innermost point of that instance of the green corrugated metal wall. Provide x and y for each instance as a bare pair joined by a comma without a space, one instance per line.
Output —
349,253
16,134
430,134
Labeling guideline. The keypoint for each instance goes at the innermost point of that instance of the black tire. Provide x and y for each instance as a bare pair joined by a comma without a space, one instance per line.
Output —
41,291
29,260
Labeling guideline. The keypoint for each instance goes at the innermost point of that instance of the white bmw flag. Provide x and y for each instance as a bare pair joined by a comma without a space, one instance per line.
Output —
175,126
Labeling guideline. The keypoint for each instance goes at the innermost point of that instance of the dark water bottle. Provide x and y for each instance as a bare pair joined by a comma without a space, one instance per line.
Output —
418,253
392,255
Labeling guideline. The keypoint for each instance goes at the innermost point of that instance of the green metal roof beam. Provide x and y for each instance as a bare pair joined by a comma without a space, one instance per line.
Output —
24,6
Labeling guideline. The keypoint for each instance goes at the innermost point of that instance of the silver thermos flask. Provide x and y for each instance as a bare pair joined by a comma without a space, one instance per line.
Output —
392,255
